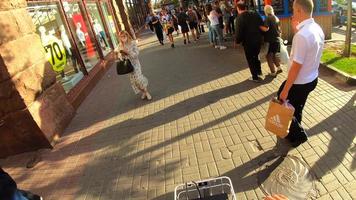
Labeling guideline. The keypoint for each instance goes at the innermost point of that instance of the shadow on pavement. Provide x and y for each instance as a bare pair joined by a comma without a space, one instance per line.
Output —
169,72
342,132
117,156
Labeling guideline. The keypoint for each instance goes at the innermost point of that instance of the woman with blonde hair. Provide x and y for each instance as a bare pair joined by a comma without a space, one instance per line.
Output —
128,49
272,36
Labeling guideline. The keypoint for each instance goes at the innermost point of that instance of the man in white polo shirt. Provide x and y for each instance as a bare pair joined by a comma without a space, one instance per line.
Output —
307,48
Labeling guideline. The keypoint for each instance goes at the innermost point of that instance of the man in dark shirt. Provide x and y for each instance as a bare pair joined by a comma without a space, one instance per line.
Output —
249,33
158,28
182,21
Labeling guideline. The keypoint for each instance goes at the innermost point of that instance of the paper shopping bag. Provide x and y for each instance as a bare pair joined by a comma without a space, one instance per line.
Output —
279,117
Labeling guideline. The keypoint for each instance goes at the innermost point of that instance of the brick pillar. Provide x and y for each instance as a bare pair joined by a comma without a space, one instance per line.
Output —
33,106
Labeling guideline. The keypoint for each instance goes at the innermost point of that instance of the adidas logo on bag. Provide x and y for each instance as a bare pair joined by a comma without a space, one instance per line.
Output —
275,120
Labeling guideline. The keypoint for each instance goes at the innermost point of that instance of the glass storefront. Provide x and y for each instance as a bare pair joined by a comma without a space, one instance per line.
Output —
56,42
98,27
75,35
109,18
84,38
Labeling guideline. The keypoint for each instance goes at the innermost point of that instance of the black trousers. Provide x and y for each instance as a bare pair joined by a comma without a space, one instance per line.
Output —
251,52
297,96
159,33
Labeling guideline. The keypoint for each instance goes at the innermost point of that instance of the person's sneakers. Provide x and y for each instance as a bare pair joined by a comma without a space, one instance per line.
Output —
161,42
185,41
273,74
172,45
279,70
258,80
298,142
148,95
143,96
222,47
217,47
189,42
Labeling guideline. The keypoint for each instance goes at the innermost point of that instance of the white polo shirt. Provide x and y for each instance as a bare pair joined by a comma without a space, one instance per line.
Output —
307,48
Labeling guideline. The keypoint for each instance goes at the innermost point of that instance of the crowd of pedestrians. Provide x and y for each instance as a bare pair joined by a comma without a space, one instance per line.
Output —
246,27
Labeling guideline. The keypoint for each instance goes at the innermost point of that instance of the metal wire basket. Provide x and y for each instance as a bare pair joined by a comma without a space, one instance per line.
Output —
219,188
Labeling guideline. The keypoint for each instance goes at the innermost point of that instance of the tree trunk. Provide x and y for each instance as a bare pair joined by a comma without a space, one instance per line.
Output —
125,18
347,50
181,3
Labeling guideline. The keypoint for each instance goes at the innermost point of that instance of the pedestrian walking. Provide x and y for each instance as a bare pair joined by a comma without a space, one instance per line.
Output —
218,10
216,28
273,38
170,28
201,18
307,47
182,21
158,28
175,21
149,23
249,33
226,14
193,23
208,9
128,49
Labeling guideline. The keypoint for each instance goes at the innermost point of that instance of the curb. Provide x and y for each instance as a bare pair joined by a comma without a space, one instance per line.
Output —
350,80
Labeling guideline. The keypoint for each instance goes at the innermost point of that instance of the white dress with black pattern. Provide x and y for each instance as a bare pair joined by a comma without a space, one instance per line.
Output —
138,80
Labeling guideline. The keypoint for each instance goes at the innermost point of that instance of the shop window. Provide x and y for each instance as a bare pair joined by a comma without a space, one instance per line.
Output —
83,37
323,5
109,19
57,43
98,27
278,6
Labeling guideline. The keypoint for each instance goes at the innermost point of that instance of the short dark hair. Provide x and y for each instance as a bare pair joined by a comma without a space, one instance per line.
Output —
241,6
208,8
181,9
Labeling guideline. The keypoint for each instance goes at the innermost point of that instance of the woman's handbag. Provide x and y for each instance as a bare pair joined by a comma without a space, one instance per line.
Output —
283,55
124,66
279,117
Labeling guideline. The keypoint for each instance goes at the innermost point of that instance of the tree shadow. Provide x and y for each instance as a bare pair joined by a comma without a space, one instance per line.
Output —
340,129
132,127
183,69
247,176
117,156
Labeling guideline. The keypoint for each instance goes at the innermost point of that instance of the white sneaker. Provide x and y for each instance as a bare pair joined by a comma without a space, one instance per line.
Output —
216,47
143,96
222,47
273,74
148,96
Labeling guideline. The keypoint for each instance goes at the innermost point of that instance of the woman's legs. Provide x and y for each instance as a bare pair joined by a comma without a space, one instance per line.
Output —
219,33
215,31
192,30
269,58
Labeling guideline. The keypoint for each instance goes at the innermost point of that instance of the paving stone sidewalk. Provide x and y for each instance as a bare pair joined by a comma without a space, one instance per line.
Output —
205,120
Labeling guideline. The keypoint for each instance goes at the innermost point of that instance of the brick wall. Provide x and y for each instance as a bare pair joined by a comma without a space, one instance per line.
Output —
33,107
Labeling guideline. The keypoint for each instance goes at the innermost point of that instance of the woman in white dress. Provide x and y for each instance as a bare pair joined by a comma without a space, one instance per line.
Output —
128,49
